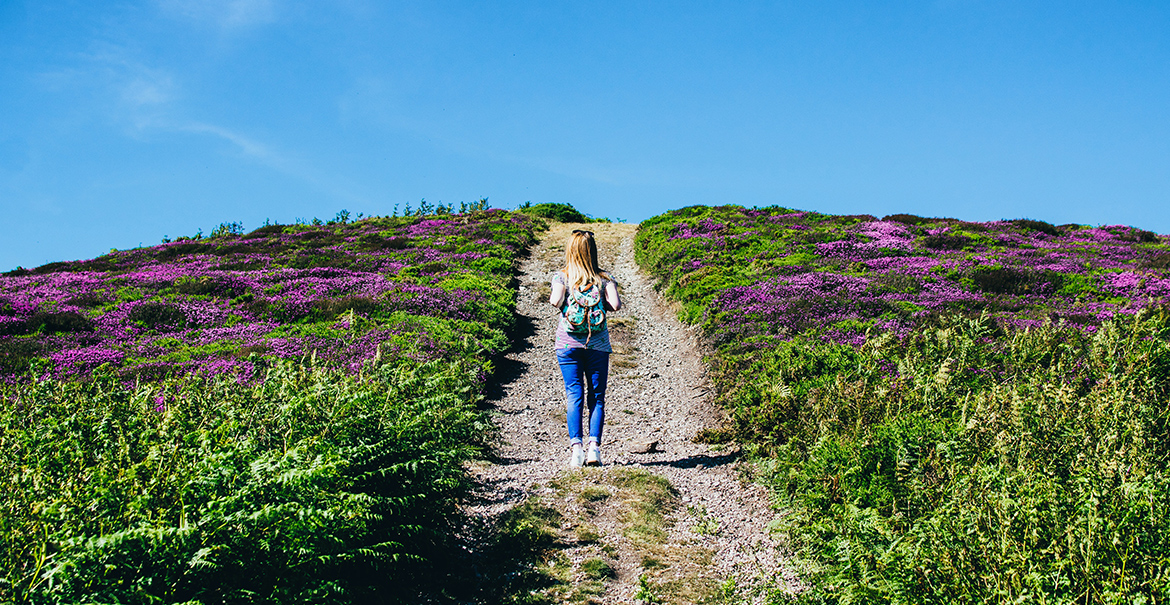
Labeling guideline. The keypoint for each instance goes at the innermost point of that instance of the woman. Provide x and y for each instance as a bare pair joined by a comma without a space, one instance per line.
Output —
582,289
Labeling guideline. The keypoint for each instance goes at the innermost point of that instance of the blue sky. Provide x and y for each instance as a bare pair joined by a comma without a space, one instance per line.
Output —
122,122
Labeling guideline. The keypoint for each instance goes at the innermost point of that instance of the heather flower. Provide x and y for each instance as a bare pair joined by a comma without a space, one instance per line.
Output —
786,272
209,306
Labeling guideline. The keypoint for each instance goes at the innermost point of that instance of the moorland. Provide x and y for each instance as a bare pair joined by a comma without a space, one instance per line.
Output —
946,411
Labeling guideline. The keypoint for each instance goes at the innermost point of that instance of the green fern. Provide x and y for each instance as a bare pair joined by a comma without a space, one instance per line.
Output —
350,481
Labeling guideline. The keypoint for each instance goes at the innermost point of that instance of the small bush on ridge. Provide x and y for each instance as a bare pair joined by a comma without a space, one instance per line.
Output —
558,212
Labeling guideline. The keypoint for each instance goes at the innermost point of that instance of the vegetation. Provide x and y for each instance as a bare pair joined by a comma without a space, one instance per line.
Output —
642,509
277,417
311,485
418,287
558,212
953,412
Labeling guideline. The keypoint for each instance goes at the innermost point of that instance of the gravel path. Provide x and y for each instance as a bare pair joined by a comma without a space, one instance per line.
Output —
717,528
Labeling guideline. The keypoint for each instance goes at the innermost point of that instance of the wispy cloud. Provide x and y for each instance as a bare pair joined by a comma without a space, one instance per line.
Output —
246,145
227,14
147,91
114,86
276,159
148,102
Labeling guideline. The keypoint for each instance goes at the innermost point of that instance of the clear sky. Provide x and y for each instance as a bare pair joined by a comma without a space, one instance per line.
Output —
123,122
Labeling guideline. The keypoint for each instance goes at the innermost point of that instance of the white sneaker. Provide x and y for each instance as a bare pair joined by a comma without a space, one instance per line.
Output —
593,458
576,457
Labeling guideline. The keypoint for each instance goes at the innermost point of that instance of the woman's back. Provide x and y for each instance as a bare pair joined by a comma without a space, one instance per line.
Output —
567,337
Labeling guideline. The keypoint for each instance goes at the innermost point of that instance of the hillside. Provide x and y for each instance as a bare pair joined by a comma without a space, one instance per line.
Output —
938,411
278,417
949,412
347,292
776,272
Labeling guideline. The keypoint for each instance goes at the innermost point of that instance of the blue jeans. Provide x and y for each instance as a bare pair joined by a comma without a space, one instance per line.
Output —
579,366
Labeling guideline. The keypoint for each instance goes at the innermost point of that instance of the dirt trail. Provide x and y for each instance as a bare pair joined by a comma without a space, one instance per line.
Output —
624,534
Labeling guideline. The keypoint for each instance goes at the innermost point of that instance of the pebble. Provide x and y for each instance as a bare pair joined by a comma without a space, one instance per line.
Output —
643,447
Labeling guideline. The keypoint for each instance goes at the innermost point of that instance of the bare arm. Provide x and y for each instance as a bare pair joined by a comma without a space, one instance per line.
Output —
612,300
557,296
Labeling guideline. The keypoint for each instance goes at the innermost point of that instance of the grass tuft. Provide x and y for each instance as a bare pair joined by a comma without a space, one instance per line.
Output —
598,569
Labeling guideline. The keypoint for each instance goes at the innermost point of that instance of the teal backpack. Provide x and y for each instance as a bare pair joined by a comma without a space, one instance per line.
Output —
584,312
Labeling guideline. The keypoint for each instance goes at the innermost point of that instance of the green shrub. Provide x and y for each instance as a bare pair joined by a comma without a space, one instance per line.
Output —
563,213
1041,226
1028,468
311,486
228,229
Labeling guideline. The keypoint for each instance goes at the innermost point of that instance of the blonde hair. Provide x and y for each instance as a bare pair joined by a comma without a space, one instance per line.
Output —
581,268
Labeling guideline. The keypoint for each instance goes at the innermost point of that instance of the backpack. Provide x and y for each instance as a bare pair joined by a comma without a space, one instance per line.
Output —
584,312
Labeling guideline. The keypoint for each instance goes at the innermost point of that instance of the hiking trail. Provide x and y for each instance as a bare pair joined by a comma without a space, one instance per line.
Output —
623,533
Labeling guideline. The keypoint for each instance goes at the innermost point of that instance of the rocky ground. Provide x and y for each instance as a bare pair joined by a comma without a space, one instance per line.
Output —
665,519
